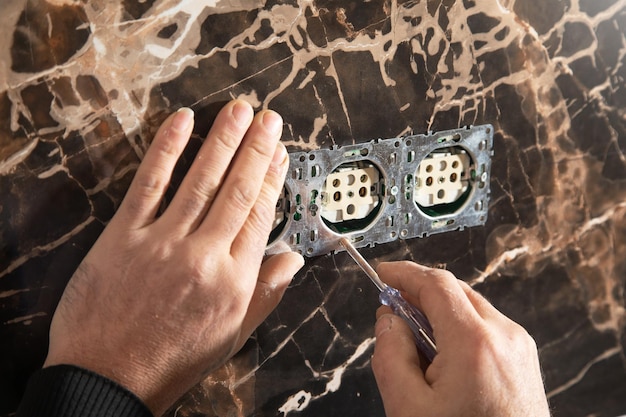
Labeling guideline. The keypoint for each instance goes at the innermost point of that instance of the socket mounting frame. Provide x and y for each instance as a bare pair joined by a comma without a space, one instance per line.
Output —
398,215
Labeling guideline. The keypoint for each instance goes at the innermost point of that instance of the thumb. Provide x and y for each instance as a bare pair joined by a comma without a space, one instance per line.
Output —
276,273
396,367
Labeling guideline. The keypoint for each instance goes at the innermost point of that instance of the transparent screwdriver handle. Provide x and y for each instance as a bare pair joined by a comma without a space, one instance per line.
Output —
418,323
391,297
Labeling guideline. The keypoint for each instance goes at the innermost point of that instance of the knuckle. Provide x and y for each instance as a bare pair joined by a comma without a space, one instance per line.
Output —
522,339
442,282
531,343
260,219
503,345
443,276
191,206
275,176
266,203
202,267
146,188
442,285
486,342
483,349
150,183
261,148
227,141
166,148
198,270
198,196
134,205
242,195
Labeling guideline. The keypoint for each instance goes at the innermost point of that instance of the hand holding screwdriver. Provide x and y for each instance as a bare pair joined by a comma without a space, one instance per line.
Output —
486,364
389,296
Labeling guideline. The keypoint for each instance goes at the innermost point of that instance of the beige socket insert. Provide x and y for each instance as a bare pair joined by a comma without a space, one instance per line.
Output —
350,193
442,178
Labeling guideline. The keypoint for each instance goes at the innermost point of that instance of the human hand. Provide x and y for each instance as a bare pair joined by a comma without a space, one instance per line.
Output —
486,365
159,302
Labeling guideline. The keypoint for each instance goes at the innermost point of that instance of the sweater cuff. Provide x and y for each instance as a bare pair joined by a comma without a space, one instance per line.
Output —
67,390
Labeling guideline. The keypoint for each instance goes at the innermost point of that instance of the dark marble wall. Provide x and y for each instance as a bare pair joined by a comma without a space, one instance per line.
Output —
83,85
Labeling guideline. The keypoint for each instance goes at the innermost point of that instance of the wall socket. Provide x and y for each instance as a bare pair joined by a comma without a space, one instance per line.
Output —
383,190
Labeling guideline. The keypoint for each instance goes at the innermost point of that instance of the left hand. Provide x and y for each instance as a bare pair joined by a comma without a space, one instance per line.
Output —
159,302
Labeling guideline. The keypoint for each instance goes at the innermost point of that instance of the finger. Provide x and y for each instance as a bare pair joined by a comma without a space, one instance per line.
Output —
436,293
396,367
198,189
274,277
244,181
251,241
153,176
381,311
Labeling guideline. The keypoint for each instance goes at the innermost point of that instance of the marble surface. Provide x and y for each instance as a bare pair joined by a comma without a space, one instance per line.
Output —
83,86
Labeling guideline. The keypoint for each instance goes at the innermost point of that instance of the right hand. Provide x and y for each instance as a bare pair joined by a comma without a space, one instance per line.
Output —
486,365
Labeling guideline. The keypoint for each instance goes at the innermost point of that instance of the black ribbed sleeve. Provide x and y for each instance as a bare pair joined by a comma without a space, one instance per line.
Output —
69,391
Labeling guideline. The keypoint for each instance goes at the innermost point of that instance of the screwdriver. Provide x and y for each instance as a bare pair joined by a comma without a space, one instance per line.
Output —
391,297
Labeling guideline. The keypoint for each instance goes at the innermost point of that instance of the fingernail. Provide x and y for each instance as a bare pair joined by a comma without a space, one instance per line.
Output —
280,157
241,111
182,119
383,324
273,122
